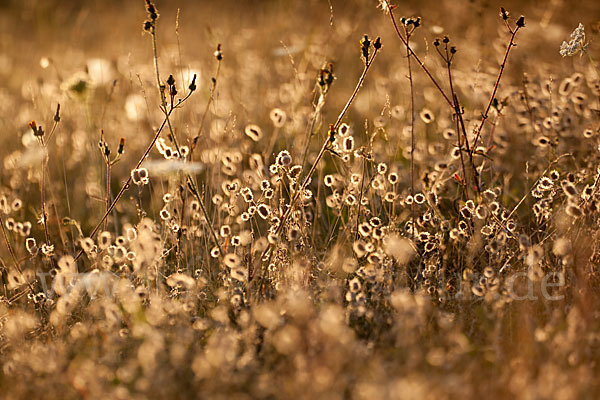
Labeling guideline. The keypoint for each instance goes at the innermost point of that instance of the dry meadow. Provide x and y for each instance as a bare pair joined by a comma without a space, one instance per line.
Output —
299,199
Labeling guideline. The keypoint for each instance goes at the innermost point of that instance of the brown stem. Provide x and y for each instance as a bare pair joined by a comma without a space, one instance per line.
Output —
458,130
421,64
484,116
412,132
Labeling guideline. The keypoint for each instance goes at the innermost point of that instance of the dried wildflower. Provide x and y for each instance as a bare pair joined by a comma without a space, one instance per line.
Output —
481,212
511,226
455,153
441,166
545,184
48,249
253,132
465,212
326,78
575,44
573,210
448,134
273,238
294,234
284,158
427,116
429,247
294,172
16,204
424,236
587,192
364,229
354,285
246,193
278,117
232,260
365,43
487,230
543,141
419,198
385,6
140,176
565,87
37,130
389,197
104,240
569,189
10,224
351,200
375,222
165,214
31,246
225,231
215,252
263,210
192,85
359,248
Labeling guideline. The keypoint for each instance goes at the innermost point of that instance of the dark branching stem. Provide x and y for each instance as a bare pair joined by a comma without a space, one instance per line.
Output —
448,60
421,63
484,116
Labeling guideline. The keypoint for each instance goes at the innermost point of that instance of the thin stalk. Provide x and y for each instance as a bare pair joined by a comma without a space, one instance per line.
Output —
211,99
412,132
456,112
194,191
362,184
44,144
107,199
484,116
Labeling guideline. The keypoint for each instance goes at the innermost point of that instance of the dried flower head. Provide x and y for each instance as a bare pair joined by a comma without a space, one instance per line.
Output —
575,44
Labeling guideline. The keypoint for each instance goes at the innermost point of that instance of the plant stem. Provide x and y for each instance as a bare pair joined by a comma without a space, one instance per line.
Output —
484,116
412,132
421,64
